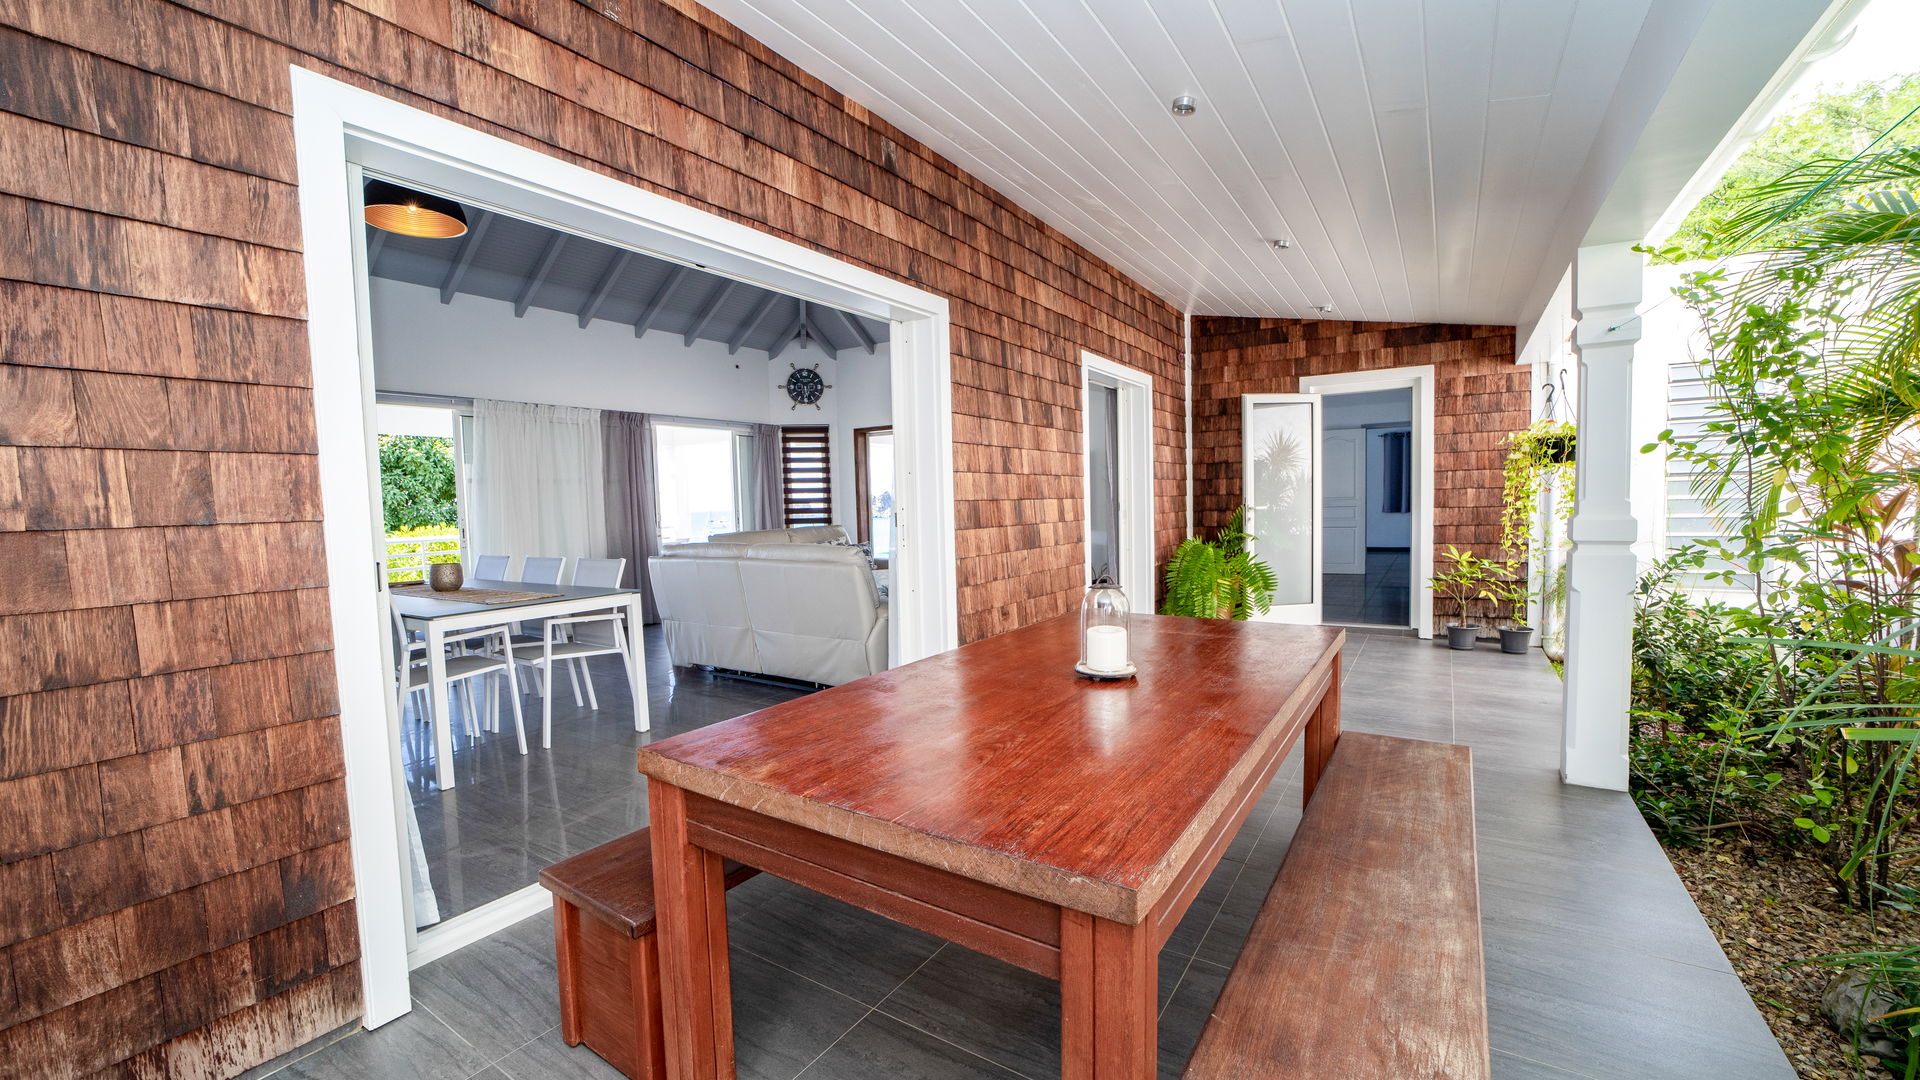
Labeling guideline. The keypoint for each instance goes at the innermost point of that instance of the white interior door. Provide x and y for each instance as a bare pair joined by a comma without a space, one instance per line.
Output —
1281,491
1343,494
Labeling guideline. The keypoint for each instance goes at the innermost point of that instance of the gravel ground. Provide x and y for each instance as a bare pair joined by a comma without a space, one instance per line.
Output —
1771,906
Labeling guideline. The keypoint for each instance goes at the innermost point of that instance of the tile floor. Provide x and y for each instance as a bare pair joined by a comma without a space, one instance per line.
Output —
509,815
1598,965
1378,597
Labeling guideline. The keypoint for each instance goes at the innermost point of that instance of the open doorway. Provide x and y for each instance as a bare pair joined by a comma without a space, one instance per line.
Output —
345,135
579,425
1367,499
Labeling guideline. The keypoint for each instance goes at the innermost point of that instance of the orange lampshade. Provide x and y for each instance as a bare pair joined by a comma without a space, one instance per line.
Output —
413,213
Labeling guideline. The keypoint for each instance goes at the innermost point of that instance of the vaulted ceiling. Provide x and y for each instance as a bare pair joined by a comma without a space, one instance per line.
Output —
529,265
1417,155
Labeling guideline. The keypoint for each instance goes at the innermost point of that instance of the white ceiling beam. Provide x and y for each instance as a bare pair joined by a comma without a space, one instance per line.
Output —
754,318
600,291
709,310
817,335
859,328
469,247
538,278
660,297
790,333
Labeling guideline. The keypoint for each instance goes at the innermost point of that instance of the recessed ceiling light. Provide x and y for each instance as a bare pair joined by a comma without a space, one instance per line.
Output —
1281,245
1184,105
1324,309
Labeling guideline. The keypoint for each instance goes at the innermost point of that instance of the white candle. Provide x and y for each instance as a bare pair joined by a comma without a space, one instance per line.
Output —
1106,648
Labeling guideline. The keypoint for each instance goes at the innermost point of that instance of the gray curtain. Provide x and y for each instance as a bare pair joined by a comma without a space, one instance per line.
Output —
1397,490
633,532
769,502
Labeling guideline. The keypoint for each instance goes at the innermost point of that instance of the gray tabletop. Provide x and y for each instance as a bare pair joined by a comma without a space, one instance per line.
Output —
427,607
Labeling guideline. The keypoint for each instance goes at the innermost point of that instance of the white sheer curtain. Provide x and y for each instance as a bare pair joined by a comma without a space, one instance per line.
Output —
539,485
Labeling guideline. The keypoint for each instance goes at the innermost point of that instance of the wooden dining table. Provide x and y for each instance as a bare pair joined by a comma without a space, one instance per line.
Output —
441,618
992,797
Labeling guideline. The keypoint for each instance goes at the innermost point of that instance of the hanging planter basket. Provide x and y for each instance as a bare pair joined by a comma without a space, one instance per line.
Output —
1556,449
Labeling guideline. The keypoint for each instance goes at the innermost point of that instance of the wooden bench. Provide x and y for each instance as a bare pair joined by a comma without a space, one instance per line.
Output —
1365,960
604,943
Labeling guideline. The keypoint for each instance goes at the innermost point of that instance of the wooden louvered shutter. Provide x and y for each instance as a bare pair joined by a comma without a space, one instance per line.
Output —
807,476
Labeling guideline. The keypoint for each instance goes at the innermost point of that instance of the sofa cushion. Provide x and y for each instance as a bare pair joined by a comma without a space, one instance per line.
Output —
807,534
703,551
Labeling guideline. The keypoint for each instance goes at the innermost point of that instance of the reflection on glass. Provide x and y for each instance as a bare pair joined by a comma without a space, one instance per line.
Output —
694,482
1103,481
880,493
1280,495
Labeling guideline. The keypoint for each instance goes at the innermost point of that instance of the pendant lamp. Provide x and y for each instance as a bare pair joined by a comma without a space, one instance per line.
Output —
413,213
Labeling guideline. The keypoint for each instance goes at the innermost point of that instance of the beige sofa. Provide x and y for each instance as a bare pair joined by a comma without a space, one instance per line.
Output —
791,607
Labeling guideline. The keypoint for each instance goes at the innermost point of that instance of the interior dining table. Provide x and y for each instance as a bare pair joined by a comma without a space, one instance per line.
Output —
993,797
441,618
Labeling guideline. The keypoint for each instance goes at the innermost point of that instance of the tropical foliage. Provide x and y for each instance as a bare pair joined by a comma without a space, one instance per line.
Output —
405,561
1835,126
1809,458
417,482
1218,578
1467,577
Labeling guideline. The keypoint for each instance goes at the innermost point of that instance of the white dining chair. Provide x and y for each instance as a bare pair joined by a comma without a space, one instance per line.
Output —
560,643
491,567
599,573
414,677
542,569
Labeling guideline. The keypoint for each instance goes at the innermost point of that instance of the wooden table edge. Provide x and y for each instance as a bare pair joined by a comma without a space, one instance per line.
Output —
1104,899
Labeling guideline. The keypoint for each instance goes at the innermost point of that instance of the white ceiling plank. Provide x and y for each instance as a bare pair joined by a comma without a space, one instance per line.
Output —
1422,156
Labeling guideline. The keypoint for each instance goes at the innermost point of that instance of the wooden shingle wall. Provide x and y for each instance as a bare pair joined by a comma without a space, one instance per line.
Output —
175,893
1480,397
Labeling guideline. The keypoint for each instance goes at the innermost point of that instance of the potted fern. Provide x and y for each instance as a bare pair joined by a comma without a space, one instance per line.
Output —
1466,578
1218,578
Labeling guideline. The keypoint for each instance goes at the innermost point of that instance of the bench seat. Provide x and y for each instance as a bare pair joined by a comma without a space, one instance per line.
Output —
606,950
1365,961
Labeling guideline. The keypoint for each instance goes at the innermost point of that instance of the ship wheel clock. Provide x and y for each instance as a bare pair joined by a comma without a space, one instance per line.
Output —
805,386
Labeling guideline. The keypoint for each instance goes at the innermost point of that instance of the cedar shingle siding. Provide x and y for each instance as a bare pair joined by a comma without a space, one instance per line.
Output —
175,886
175,889
1480,397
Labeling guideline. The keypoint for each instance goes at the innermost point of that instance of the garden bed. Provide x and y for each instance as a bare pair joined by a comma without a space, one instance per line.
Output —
1771,906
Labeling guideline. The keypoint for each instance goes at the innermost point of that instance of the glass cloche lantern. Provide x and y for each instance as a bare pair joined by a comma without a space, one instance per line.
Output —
1104,652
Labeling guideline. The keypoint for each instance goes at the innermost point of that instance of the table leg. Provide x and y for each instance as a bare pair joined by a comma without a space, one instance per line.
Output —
1109,990
442,716
690,905
637,664
1323,733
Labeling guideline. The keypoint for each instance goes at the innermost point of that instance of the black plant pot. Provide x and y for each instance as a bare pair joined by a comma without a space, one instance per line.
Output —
1516,639
1557,449
1463,638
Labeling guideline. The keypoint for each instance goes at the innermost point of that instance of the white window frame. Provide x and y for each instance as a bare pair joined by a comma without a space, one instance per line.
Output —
1136,476
340,130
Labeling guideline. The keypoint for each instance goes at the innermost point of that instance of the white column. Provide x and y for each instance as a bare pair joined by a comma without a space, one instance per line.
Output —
1601,569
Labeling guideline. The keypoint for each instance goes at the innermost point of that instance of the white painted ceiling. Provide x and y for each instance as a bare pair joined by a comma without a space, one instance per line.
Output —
1418,154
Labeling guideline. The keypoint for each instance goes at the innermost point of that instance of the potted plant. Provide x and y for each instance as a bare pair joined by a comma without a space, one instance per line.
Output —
1218,578
1510,590
1466,578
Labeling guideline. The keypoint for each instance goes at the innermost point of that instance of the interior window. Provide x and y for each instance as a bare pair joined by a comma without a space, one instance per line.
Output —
873,447
696,482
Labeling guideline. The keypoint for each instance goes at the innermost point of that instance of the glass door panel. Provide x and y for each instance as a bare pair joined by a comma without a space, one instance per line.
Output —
1280,449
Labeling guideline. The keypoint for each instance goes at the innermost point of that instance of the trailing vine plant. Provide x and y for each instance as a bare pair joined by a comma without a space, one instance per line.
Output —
1539,459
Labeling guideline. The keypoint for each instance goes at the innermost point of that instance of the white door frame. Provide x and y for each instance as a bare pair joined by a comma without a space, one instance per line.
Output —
337,130
1419,380
1136,475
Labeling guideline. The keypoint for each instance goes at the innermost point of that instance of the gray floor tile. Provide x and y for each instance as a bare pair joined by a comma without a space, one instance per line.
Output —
497,994
882,1048
1511,1067
857,953
1616,1015
550,1058
417,1046
781,1021
1186,1014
